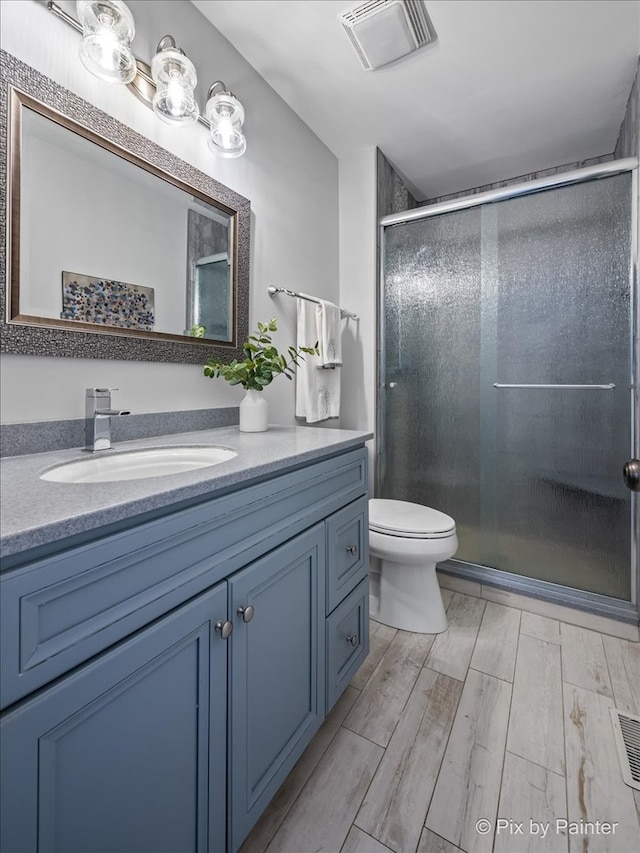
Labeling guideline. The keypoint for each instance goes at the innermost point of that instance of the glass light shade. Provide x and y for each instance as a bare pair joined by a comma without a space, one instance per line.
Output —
175,77
105,50
225,114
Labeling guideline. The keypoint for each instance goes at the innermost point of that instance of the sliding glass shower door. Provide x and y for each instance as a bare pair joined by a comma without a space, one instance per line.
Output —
507,401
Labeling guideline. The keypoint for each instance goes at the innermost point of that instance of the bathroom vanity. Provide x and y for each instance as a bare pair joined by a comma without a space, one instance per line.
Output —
170,646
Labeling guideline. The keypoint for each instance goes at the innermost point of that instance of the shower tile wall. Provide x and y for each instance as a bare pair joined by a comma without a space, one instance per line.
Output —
392,195
628,144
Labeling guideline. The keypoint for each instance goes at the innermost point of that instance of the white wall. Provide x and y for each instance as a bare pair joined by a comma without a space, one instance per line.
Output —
290,177
357,289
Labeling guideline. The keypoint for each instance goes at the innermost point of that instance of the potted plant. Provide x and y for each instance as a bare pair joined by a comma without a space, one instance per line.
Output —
261,365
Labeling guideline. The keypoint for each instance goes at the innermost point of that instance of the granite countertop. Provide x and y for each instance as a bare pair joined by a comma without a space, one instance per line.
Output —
35,512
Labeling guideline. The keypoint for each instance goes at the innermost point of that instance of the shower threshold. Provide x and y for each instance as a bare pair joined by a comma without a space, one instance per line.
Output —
589,602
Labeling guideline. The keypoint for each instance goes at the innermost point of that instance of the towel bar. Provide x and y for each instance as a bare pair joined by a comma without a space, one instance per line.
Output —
271,290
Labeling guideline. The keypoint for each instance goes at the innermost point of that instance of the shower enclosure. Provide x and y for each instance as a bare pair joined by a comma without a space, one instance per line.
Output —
508,348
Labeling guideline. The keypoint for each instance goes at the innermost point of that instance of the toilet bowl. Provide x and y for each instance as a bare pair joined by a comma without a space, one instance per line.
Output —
407,540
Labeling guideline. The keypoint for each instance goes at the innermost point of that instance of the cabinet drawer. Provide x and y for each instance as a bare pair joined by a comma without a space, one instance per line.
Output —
347,550
347,641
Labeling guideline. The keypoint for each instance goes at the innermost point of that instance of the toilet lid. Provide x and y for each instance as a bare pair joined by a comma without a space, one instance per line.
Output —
402,518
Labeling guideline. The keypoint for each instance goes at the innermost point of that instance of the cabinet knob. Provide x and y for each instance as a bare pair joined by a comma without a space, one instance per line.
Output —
224,629
352,549
247,613
352,639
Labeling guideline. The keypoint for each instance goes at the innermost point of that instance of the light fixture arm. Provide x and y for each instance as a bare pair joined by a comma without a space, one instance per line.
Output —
166,43
68,19
220,91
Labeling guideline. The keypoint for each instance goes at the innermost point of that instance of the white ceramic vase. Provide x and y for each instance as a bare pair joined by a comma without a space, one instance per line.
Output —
254,412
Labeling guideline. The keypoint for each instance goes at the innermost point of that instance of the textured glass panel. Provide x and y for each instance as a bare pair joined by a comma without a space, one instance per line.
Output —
530,290
563,512
432,348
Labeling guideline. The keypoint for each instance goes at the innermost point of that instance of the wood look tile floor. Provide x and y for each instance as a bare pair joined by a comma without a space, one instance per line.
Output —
493,736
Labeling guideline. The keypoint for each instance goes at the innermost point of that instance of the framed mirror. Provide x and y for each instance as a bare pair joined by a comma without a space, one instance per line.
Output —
117,248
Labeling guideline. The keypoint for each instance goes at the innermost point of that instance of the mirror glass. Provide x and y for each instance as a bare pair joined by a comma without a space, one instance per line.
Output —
106,243
117,248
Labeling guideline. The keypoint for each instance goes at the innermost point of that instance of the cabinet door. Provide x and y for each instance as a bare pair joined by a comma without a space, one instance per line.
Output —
118,756
277,672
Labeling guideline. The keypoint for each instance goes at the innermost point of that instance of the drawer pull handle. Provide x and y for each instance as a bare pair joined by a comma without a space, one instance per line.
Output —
247,613
352,639
352,549
224,629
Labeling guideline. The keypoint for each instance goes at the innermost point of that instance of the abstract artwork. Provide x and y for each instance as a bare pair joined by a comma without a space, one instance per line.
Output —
106,302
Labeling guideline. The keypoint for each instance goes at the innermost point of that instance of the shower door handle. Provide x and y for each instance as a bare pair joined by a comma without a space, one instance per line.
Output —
631,472
608,387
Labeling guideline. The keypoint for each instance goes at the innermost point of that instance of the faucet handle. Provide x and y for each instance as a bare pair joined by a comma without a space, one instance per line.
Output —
97,398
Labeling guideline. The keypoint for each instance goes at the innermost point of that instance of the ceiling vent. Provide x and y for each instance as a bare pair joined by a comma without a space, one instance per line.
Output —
382,31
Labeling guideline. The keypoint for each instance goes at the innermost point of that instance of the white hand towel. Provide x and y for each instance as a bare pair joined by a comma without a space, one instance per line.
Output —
329,343
317,390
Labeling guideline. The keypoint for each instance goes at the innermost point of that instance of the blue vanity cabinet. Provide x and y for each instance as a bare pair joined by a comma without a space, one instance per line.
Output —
276,668
128,752
160,681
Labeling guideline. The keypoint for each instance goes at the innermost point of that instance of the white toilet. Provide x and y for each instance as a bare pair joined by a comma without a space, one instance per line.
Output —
406,540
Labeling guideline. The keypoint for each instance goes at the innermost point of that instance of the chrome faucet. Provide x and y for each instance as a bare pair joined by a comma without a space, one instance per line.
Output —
97,428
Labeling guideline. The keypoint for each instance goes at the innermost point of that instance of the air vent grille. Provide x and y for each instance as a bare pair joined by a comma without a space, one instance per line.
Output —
378,23
419,20
353,15
626,728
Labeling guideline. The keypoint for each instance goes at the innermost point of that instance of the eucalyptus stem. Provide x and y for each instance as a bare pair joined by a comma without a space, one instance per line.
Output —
262,362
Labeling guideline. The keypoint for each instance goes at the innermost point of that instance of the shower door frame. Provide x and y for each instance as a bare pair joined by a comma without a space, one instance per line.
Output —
602,605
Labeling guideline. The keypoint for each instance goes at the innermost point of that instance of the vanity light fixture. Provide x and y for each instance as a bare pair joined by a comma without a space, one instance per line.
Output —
107,31
175,77
225,114
167,85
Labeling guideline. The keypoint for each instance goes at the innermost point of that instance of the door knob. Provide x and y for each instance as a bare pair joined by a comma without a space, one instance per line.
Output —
631,473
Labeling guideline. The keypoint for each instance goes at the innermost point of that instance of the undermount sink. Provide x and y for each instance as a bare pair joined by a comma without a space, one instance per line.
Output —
139,464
